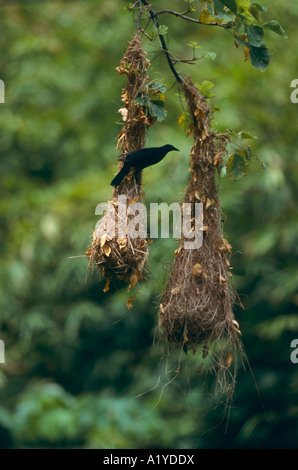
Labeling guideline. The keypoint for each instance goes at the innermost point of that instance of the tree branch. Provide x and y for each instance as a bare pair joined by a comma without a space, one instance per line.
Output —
140,15
163,42
188,18
165,50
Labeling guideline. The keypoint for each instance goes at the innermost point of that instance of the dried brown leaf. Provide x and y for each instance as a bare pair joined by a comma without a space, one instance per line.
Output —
229,360
104,239
106,250
209,203
222,279
197,269
129,303
133,280
175,291
122,242
107,286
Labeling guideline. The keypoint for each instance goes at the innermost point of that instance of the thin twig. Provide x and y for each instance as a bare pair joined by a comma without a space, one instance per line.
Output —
188,18
144,30
140,15
132,7
154,14
163,43
185,61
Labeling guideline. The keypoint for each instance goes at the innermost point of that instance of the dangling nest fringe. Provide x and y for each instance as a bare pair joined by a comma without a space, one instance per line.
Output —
196,306
125,258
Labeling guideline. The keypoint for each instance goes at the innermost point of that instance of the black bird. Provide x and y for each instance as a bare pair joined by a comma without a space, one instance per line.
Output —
140,159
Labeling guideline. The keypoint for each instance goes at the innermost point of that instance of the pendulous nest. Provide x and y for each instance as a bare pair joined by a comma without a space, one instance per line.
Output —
196,305
125,257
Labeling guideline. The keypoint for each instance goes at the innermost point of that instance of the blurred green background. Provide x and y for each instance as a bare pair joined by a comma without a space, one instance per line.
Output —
81,371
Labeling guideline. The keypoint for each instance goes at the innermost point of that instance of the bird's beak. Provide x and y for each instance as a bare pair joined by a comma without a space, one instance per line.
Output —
176,149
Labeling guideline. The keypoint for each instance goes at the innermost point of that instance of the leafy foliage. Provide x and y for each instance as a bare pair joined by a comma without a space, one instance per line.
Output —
244,19
154,101
237,165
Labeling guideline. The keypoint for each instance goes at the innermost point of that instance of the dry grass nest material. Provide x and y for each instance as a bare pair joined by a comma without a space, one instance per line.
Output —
196,305
125,258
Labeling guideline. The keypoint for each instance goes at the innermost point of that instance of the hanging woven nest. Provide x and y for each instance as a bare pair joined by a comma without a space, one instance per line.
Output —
196,305
123,257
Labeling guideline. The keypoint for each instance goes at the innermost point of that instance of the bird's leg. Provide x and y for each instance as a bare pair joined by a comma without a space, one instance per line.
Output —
138,177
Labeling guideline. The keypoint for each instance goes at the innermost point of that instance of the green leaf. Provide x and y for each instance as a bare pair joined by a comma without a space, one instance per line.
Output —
232,5
158,102
155,107
245,135
228,17
205,88
218,9
240,29
243,5
237,165
259,56
276,28
142,100
218,5
255,9
160,87
157,110
207,84
193,45
210,55
255,35
163,30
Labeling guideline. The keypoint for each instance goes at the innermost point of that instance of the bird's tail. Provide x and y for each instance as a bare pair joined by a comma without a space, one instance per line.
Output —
119,177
